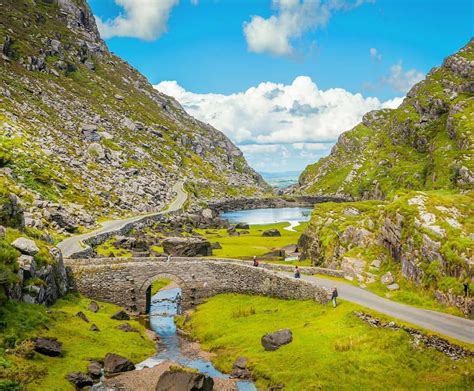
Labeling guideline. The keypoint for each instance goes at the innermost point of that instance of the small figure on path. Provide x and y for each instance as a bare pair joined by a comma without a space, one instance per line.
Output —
168,259
334,297
178,304
297,272
466,288
255,262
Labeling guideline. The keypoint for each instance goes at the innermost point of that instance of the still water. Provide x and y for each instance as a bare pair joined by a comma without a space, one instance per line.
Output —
269,216
163,309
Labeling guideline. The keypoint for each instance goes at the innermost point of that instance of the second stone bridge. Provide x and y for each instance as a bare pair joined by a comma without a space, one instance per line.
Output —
127,281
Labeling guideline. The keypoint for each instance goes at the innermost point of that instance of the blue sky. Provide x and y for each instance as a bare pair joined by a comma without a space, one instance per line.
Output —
373,48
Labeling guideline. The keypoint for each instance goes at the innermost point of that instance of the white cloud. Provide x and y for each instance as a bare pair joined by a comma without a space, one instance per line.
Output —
278,125
375,55
401,80
293,18
144,19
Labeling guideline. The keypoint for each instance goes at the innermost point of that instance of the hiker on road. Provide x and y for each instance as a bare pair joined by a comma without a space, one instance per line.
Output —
334,297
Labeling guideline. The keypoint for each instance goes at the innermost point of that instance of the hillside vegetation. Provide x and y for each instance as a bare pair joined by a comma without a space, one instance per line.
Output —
84,135
426,143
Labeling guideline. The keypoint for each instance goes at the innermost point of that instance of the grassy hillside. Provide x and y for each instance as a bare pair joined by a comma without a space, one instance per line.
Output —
426,143
81,128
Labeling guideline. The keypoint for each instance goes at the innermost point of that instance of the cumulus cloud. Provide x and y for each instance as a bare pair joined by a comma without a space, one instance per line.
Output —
144,19
297,123
291,20
401,80
375,55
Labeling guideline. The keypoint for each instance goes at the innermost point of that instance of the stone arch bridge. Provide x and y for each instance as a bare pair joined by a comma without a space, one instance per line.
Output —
127,281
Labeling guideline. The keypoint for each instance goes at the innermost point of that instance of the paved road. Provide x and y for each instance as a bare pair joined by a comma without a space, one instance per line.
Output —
73,245
452,326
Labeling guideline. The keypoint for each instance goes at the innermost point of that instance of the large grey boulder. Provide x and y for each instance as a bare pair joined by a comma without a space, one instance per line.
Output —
175,380
271,232
25,246
79,379
48,346
273,341
113,363
187,247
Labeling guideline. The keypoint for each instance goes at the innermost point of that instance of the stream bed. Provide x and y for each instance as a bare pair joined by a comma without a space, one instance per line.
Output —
163,309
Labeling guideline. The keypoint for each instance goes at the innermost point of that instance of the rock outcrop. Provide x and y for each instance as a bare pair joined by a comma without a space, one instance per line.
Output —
273,341
187,247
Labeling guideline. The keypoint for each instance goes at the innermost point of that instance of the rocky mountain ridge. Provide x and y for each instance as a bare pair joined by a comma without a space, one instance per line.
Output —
84,135
410,172
424,144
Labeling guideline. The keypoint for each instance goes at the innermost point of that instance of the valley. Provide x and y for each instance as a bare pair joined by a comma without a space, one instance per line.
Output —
140,251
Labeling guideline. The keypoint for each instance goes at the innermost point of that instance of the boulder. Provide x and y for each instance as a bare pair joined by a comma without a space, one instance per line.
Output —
93,306
94,369
271,232
94,327
127,328
3,232
393,287
82,316
120,315
80,380
28,265
48,346
25,246
113,363
174,380
387,278
216,246
273,341
242,226
187,247
207,214
239,369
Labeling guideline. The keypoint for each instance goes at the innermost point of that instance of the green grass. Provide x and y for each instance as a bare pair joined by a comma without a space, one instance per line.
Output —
79,344
332,349
247,245
107,248
159,285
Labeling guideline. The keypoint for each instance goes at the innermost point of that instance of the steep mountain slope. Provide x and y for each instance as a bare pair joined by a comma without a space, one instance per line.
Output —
426,143
84,135
417,163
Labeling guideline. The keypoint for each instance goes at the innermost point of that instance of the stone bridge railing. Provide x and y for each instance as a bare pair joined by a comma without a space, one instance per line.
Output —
127,281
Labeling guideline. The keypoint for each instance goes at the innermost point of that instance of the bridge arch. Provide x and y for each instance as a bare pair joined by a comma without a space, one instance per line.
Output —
145,289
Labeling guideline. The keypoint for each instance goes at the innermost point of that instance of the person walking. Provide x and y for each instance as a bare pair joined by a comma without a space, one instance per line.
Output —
334,297
255,262
297,272
466,288
178,304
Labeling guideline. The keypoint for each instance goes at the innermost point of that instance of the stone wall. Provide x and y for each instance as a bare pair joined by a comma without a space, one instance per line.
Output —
124,281
273,202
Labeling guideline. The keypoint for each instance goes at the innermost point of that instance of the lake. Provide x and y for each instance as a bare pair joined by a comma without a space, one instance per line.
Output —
269,215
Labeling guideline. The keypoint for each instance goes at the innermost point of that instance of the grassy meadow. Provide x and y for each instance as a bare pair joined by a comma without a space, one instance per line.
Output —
22,321
332,349
252,243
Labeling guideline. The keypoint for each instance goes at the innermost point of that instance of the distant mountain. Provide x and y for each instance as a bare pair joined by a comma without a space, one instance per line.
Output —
281,179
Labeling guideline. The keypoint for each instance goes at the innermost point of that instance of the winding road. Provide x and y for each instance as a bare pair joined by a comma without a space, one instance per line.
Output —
449,325
75,244
452,326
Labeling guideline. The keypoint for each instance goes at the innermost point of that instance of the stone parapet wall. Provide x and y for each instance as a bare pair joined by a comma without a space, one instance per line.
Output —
125,281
